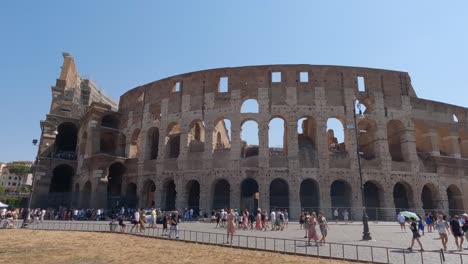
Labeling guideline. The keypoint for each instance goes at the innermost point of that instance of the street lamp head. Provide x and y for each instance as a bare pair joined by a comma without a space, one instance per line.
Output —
34,141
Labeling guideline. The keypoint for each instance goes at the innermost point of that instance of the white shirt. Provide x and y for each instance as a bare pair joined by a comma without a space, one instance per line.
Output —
137,216
3,212
336,213
98,212
401,218
273,216
75,212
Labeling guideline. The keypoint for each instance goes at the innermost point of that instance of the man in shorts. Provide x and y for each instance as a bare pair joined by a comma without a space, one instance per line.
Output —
323,227
457,232
401,220
336,215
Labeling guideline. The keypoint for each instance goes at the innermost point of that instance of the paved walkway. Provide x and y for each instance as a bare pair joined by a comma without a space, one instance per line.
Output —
384,234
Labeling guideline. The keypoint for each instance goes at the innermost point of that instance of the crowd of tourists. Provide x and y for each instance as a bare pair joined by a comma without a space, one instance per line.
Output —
436,223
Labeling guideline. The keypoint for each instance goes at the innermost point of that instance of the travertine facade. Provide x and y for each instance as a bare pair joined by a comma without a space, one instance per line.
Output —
167,144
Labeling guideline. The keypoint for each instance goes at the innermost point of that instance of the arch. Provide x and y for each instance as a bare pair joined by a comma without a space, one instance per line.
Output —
279,195
131,195
134,150
402,196
430,197
373,197
249,138
114,183
83,142
455,200
111,121
277,137
341,195
169,195
222,132
221,194
249,195
193,195
173,140
309,194
367,139
66,139
86,195
153,143
149,190
60,188
395,134
196,136
250,106
336,135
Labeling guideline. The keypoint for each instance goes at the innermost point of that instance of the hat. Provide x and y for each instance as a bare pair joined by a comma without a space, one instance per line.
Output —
455,216
465,215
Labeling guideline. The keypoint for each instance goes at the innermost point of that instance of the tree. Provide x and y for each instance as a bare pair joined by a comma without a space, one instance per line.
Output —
20,170
2,190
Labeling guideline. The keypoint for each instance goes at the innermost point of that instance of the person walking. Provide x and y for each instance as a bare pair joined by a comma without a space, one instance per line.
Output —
272,219
136,220
174,221
230,226
306,224
416,235
465,225
442,228
154,216
312,232
401,220
336,215
301,220
258,220
121,223
164,224
457,232
346,217
429,222
323,227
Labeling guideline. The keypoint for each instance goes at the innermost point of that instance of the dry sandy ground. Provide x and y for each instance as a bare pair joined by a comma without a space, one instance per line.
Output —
31,246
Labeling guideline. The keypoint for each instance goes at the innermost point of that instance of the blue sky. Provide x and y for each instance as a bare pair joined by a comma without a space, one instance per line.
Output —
123,44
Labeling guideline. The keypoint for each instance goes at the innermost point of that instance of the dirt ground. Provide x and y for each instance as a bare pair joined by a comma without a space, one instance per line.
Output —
33,246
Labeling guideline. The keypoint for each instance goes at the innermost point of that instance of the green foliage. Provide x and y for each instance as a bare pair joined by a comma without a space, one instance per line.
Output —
20,170
14,202
2,190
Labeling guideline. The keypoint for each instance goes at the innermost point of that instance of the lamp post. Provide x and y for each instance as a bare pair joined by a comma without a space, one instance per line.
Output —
365,234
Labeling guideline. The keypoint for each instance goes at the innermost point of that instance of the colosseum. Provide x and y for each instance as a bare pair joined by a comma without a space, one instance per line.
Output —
178,143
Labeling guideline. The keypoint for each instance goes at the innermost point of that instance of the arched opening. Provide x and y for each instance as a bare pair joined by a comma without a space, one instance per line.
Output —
372,198
395,133
222,134
307,143
196,136
310,195
149,189
173,141
455,200
249,139
335,135
153,143
279,195
110,121
193,194
83,142
367,138
249,194
131,195
86,196
107,143
402,196
250,106
169,195
61,185
65,141
114,184
430,197
221,194
134,150
277,137
340,194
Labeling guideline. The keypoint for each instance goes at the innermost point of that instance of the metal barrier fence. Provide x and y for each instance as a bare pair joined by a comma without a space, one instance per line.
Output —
350,252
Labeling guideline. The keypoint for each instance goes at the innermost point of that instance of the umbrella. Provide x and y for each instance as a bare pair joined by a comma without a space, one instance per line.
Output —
3,205
410,214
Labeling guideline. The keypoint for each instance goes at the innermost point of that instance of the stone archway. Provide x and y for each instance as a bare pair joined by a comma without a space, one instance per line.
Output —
309,194
455,200
169,195
402,196
131,195
221,194
149,189
279,195
373,197
60,189
430,197
114,184
193,196
249,195
341,195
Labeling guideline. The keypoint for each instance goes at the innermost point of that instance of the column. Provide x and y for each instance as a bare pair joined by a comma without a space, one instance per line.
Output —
431,140
294,200
453,146
264,190
263,152
181,197
234,195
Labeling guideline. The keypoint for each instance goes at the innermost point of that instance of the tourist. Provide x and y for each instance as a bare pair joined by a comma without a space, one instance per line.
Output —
286,217
217,218
174,221
442,228
136,220
416,235
272,219
142,220
401,219
457,232
420,224
322,221
312,232
154,217
306,224
258,220
264,218
465,225
281,220
121,223
336,215
191,214
43,212
231,226
251,220
429,223
164,224
301,220
346,216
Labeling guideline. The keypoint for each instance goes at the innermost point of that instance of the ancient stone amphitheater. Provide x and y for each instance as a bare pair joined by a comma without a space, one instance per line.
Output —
178,143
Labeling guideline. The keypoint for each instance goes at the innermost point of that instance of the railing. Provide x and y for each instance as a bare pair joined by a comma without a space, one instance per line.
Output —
352,252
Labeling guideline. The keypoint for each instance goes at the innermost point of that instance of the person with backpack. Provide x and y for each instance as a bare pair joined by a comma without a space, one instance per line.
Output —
465,225
414,228
457,232
174,221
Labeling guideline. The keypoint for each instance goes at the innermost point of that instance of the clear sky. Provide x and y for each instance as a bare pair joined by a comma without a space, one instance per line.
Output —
123,44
